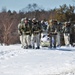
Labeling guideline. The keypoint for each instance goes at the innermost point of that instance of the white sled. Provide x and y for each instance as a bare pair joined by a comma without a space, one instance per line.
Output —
44,40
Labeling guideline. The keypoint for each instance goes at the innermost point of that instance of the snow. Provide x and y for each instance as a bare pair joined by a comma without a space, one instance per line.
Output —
17,61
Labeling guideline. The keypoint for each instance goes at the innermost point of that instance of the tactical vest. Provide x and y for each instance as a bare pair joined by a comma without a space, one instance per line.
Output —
27,29
35,28
52,28
67,29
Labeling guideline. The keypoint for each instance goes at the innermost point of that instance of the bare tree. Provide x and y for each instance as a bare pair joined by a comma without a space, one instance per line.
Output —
8,24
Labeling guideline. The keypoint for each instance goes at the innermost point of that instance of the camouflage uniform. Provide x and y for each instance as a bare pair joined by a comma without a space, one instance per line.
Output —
27,34
66,30
58,26
52,32
21,32
44,25
72,33
36,29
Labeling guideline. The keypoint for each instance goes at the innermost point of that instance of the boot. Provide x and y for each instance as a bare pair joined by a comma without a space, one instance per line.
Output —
25,47
54,46
29,46
38,47
33,47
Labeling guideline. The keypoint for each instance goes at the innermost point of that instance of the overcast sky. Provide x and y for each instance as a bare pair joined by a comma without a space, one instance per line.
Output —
46,4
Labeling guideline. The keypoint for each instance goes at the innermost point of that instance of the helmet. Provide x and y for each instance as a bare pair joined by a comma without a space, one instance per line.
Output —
66,22
55,20
50,20
42,21
29,19
22,20
34,19
25,18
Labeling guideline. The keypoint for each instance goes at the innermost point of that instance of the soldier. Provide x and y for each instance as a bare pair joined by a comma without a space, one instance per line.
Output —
27,34
44,25
36,30
21,32
58,26
66,31
52,32
71,33
74,35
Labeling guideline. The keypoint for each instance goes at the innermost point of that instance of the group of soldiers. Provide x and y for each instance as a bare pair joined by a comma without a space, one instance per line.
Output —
30,32
55,31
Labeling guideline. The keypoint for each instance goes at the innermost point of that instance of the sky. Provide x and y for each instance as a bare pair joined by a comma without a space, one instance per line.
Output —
20,4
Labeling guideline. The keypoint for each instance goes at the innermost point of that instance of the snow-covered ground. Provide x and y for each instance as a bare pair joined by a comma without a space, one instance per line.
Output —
17,61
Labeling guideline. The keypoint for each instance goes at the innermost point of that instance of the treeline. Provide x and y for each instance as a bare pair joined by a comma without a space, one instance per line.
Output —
9,20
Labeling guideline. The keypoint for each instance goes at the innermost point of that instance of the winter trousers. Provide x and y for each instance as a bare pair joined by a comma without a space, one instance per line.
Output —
53,41
35,39
58,39
25,41
22,40
67,38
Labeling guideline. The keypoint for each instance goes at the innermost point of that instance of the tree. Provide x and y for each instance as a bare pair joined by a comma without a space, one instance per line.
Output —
4,9
9,26
65,13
